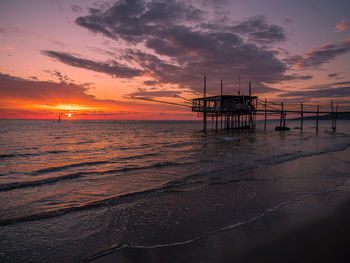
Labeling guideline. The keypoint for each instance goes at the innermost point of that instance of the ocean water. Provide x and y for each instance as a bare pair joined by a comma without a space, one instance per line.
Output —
72,190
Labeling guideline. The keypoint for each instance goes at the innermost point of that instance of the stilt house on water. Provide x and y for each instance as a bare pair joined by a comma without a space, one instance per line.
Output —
234,111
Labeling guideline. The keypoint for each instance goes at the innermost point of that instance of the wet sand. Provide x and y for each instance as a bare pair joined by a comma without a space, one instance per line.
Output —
303,219
325,239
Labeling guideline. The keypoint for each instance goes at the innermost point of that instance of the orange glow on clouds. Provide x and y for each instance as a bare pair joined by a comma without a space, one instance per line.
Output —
68,107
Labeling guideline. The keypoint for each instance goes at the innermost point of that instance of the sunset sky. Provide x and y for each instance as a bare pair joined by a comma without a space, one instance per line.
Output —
88,57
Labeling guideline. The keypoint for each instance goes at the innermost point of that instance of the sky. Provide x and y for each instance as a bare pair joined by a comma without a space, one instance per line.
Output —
88,59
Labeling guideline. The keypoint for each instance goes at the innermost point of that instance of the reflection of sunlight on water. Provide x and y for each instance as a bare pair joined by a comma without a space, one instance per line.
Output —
84,161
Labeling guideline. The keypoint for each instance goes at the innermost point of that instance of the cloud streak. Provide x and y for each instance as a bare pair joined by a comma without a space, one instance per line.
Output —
112,67
321,55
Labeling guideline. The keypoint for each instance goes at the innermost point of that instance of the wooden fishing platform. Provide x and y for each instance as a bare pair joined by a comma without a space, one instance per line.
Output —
239,111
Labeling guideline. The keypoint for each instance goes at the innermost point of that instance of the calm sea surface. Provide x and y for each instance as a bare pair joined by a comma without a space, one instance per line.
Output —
71,190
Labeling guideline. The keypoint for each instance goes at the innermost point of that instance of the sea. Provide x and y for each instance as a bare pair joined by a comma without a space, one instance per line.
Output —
71,191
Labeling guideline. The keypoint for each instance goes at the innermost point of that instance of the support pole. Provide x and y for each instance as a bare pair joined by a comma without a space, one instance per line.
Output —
250,89
204,104
302,116
332,115
318,110
239,84
283,117
281,114
265,115
336,116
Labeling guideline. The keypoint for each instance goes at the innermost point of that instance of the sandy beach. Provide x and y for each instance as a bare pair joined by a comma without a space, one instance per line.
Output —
292,226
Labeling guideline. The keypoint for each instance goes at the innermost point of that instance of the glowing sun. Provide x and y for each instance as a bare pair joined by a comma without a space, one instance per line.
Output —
69,115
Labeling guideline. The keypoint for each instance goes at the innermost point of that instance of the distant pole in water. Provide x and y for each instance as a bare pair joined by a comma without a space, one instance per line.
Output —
59,117
239,84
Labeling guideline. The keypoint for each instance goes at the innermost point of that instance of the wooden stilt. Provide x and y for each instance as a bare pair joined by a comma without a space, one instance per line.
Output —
332,115
302,116
335,117
265,115
205,105
281,118
318,110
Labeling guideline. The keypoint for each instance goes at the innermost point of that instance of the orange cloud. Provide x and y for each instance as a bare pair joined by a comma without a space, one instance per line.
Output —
9,48
23,98
342,26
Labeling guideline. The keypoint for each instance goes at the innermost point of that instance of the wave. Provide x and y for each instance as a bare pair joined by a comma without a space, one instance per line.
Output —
113,200
132,157
15,155
68,166
90,205
287,157
174,185
11,186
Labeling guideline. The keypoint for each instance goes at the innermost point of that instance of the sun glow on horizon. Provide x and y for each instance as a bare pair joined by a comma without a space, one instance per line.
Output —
69,107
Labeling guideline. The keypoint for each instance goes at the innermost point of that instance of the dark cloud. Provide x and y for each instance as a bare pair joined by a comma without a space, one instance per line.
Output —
324,92
112,68
333,75
150,82
152,94
340,83
315,92
321,55
258,30
180,48
295,77
76,8
9,29
62,77
287,21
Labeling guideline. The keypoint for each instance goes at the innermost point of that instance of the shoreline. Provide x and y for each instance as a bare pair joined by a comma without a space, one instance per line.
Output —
324,238
310,229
